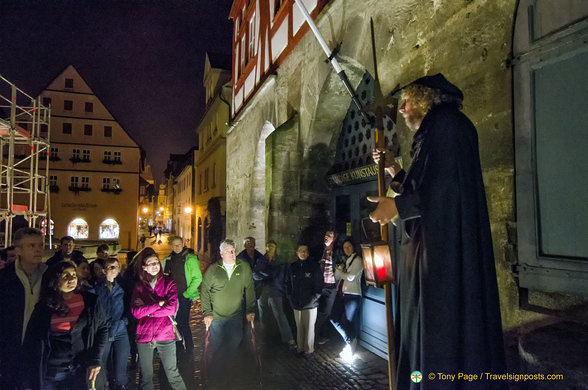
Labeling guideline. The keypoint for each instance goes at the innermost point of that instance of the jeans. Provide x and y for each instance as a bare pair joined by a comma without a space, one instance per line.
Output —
225,336
116,351
326,302
277,306
167,354
346,322
305,320
183,319
66,380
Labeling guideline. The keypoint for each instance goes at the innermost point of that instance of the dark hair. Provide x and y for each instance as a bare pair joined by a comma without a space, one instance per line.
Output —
66,239
110,260
25,232
102,248
50,295
98,261
139,261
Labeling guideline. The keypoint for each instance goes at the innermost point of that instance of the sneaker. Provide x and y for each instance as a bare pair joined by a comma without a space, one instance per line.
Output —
292,344
323,340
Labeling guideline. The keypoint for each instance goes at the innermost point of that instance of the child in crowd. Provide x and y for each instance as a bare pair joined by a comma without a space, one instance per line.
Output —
112,295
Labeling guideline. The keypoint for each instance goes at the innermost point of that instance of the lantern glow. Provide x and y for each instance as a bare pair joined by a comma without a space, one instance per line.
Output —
377,263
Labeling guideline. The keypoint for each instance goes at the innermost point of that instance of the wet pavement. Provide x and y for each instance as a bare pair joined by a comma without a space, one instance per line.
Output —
280,367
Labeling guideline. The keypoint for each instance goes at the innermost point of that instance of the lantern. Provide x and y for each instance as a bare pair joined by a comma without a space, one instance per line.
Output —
377,263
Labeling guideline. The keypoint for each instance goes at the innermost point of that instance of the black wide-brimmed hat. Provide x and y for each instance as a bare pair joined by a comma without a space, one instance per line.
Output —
437,81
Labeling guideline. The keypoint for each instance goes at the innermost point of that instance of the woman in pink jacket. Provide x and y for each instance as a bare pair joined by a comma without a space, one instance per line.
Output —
154,301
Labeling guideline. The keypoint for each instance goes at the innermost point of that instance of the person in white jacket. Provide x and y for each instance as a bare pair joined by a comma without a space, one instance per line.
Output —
346,323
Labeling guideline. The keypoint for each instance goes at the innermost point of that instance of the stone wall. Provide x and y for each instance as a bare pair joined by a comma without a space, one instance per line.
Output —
469,41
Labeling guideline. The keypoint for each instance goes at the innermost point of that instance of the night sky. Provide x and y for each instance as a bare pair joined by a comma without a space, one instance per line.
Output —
143,59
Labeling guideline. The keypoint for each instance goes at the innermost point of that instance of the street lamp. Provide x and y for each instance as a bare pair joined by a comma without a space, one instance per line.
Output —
187,209
145,210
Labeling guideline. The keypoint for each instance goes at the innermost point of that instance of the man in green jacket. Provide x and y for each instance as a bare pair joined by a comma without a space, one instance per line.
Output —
225,283
184,268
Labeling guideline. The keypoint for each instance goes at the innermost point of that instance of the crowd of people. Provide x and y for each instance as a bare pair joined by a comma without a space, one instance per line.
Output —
73,324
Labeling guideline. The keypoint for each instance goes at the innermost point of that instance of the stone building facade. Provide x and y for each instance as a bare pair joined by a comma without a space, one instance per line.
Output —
95,165
211,156
283,139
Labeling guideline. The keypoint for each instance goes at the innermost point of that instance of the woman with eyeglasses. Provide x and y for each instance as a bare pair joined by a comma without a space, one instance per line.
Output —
66,334
154,301
112,295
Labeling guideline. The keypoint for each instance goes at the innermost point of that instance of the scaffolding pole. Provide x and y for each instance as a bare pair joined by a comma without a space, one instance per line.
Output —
24,147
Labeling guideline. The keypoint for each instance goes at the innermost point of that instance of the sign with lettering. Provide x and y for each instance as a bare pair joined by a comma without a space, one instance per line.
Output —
79,206
353,176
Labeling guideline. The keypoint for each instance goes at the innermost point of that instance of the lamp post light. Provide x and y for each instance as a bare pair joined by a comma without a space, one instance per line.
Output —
188,210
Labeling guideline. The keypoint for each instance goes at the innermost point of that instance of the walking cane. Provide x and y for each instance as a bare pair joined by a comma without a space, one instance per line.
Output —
256,353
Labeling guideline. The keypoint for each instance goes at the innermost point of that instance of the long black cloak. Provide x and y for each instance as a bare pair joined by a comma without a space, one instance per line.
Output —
448,310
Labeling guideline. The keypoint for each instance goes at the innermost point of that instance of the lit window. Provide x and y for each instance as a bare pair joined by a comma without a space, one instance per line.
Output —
44,226
108,229
78,229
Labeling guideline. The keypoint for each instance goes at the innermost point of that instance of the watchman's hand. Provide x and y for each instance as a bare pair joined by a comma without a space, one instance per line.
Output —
385,211
390,164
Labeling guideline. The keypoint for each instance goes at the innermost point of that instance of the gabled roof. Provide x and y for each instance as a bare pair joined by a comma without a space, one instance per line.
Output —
82,87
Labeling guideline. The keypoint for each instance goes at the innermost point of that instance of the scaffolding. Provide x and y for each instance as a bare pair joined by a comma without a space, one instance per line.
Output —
24,147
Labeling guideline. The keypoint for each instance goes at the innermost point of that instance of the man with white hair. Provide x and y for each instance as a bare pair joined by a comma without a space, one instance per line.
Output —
225,282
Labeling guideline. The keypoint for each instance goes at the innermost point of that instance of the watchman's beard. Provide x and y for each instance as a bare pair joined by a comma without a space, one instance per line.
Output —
414,119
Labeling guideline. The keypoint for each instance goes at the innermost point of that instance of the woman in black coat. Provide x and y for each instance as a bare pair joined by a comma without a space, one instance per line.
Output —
304,285
66,334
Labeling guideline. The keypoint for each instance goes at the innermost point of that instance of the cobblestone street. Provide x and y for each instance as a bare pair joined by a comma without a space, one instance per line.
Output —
280,367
